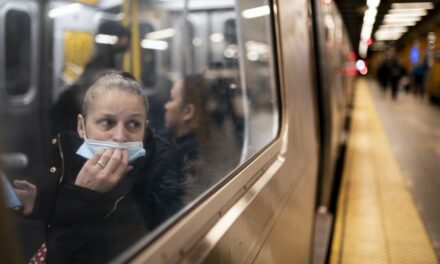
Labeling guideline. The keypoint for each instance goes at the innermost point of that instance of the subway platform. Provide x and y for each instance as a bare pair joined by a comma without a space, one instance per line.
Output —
389,202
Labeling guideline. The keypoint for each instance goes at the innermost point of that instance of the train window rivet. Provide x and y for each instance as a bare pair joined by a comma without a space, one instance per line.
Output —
53,169
54,141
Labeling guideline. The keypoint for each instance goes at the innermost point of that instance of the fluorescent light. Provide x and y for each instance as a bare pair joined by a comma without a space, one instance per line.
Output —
387,26
370,16
258,47
424,5
373,3
216,37
398,23
197,42
418,11
392,29
161,34
252,55
154,44
387,35
401,19
403,15
106,39
366,32
64,10
256,12
363,48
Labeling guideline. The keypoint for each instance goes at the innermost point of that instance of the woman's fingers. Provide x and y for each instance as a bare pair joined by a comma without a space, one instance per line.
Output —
113,162
24,185
100,159
123,164
104,170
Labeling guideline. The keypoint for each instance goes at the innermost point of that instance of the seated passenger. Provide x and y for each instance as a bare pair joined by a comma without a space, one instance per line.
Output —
111,185
185,119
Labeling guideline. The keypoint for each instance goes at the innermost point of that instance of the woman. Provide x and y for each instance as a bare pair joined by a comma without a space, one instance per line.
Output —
108,186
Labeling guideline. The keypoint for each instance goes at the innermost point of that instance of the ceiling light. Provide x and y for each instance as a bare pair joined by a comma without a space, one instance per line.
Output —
393,29
64,10
409,24
366,32
424,5
370,16
161,34
399,23
387,35
106,39
419,11
373,3
154,44
401,19
256,12
216,37
403,15
363,48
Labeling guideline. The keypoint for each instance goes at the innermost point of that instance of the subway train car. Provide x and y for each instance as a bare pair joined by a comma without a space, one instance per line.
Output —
273,91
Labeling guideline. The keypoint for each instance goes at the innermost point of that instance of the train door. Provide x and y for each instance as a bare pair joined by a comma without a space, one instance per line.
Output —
20,105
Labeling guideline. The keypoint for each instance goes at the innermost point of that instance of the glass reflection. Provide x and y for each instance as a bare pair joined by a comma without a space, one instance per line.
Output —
208,78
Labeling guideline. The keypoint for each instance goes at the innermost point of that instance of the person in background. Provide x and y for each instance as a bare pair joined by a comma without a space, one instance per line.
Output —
108,185
419,73
382,76
68,105
185,119
396,72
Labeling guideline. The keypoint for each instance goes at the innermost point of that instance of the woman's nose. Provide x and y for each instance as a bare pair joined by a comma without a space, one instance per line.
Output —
120,133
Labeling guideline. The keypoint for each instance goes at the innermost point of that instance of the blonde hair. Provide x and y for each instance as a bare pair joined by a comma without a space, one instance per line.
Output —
113,80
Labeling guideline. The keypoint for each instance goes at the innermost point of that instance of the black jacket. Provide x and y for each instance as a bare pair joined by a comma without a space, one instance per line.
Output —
84,226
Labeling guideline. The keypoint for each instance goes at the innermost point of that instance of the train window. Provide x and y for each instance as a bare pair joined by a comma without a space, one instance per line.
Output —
17,52
208,71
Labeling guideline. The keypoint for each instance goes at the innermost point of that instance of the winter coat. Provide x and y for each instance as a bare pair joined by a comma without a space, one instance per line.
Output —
85,226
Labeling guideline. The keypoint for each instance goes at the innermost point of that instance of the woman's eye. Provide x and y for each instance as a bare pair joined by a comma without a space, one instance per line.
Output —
106,122
134,125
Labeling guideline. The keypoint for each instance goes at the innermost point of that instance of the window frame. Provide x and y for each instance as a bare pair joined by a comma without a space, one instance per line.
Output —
30,9
177,235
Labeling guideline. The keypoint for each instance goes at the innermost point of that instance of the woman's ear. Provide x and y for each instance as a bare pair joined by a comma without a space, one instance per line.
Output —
80,123
188,112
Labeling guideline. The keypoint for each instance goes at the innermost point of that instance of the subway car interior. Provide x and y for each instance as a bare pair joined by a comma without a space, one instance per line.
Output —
220,131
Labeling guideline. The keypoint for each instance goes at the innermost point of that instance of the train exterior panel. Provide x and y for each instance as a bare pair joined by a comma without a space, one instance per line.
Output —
276,94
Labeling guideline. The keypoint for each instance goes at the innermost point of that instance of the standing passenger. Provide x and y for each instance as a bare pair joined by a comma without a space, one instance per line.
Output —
418,76
68,105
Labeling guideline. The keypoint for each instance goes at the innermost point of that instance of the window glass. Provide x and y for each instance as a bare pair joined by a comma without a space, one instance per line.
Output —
17,52
206,69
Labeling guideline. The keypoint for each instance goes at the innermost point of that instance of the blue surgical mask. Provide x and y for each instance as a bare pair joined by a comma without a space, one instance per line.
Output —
90,147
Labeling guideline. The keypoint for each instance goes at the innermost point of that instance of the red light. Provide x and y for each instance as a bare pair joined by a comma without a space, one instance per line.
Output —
364,71
352,56
369,41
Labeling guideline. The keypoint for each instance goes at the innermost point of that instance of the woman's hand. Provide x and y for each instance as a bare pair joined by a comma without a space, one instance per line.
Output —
104,171
26,192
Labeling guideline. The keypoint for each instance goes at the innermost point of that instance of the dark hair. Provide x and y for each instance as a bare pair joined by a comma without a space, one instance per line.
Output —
113,28
193,91
113,80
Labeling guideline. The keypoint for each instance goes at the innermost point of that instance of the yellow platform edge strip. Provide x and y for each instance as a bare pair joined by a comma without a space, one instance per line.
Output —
377,220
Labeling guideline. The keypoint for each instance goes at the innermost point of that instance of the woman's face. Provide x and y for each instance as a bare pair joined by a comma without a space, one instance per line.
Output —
173,109
114,116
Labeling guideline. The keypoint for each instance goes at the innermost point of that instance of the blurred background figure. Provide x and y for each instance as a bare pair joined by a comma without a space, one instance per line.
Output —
185,119
111,41
418,75
382,75
390,72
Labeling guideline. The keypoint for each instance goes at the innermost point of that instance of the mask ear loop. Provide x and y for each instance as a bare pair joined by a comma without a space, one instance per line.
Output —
84,126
